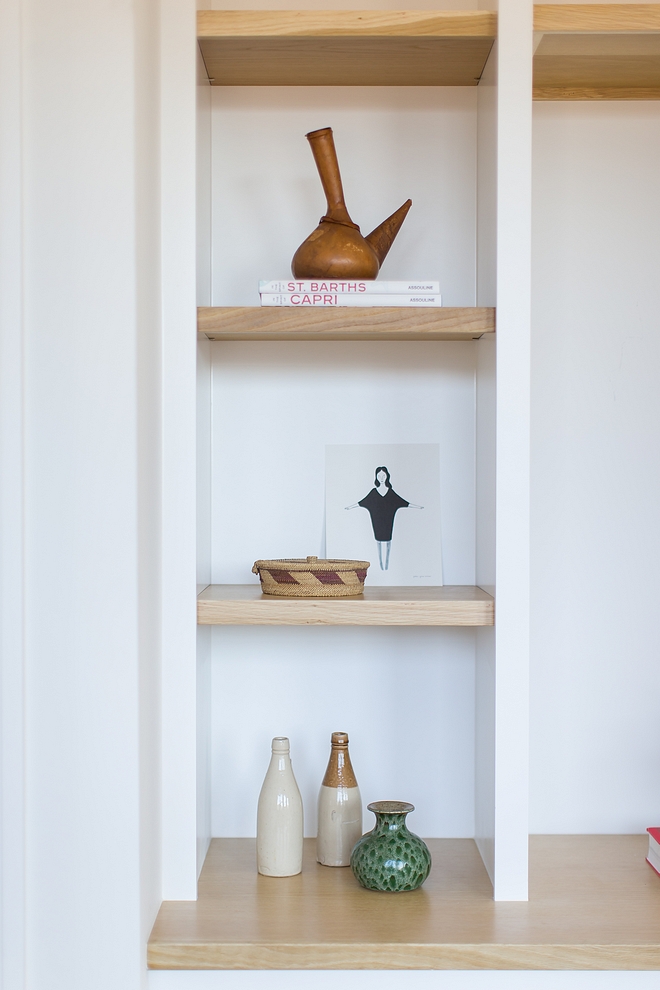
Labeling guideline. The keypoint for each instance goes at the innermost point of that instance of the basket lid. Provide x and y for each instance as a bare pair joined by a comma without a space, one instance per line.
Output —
311,564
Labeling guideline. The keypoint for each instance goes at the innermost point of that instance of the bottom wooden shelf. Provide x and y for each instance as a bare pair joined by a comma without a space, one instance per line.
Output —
594,904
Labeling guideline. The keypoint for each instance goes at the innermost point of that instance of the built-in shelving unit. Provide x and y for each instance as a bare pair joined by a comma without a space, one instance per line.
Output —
344,323
594,904
597,52
359,48
451,605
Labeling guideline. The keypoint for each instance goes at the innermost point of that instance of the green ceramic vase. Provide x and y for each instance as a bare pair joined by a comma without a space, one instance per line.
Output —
390,857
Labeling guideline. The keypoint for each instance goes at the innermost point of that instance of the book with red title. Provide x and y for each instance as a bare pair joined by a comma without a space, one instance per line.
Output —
653,858
330,299
356,286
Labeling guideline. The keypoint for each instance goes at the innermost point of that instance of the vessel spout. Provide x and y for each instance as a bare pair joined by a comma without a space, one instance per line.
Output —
382,237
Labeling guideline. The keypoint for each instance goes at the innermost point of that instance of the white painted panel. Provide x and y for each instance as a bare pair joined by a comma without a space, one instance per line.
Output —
203,460
179,696
392,143
203,184
203,578
12,498
485,684
596,468
512,439
485,458
487,183
91,272
147,283
416,980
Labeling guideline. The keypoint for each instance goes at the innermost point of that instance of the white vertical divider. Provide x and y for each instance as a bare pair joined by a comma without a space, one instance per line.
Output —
203,461
514,146
485,462
12,695
147,281
179,626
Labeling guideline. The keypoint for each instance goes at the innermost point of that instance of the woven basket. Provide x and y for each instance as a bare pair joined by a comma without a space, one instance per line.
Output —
311,578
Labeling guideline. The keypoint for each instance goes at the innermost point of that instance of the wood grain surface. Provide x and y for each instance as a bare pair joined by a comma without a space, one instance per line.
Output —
598,61
592,93
571,18
344,323
346,48
597,52
346,23
452,605
594,904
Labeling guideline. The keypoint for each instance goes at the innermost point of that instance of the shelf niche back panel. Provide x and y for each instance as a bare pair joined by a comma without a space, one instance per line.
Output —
354,48
345,323
594,905
451,605
597,52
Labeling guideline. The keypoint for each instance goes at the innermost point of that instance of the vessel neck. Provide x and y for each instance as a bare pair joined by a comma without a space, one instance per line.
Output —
325,156
390,823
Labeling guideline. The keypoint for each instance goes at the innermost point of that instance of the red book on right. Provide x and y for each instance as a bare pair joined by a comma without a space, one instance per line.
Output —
653,858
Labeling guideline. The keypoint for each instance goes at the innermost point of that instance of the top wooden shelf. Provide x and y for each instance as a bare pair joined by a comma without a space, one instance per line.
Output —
345,48
597,52
582,51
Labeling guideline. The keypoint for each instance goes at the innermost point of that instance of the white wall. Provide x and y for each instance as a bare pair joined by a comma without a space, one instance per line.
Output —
270,428
92,486
596,468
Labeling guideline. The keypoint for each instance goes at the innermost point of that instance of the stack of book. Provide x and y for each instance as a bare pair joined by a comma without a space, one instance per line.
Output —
333,292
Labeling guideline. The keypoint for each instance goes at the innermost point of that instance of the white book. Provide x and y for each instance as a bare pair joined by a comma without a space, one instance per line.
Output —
330,299
354,286
653,858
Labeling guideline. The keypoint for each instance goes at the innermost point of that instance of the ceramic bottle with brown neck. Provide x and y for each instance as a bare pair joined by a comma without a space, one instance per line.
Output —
340,807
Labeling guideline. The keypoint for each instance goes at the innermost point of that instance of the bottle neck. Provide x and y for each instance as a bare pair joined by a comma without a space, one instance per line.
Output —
339,772
280,762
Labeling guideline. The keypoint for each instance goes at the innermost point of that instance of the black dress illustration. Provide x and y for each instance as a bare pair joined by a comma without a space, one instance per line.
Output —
382,503
382,509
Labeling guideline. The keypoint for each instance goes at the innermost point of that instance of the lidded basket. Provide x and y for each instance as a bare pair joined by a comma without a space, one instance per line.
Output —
312,578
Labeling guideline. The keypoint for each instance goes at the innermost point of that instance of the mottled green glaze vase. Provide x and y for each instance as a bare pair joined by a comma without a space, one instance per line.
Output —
390,857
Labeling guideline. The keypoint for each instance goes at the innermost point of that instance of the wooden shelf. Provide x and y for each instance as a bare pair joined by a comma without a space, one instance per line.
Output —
594,904
345,323
244,605
597,52
347,48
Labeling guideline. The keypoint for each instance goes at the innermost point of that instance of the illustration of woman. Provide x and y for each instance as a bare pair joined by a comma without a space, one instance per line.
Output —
382,504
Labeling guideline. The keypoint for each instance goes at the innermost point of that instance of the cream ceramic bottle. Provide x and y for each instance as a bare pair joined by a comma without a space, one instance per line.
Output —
340,807
280,817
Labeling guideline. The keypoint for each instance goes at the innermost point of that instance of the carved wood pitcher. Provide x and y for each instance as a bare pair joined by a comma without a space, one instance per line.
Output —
337,249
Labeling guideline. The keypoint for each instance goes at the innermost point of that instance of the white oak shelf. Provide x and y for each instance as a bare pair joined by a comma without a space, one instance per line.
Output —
597,52
244,605
345,48
594,905
345,323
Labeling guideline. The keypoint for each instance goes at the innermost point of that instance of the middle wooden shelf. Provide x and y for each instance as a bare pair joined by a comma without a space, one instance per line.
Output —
245,605
345,322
